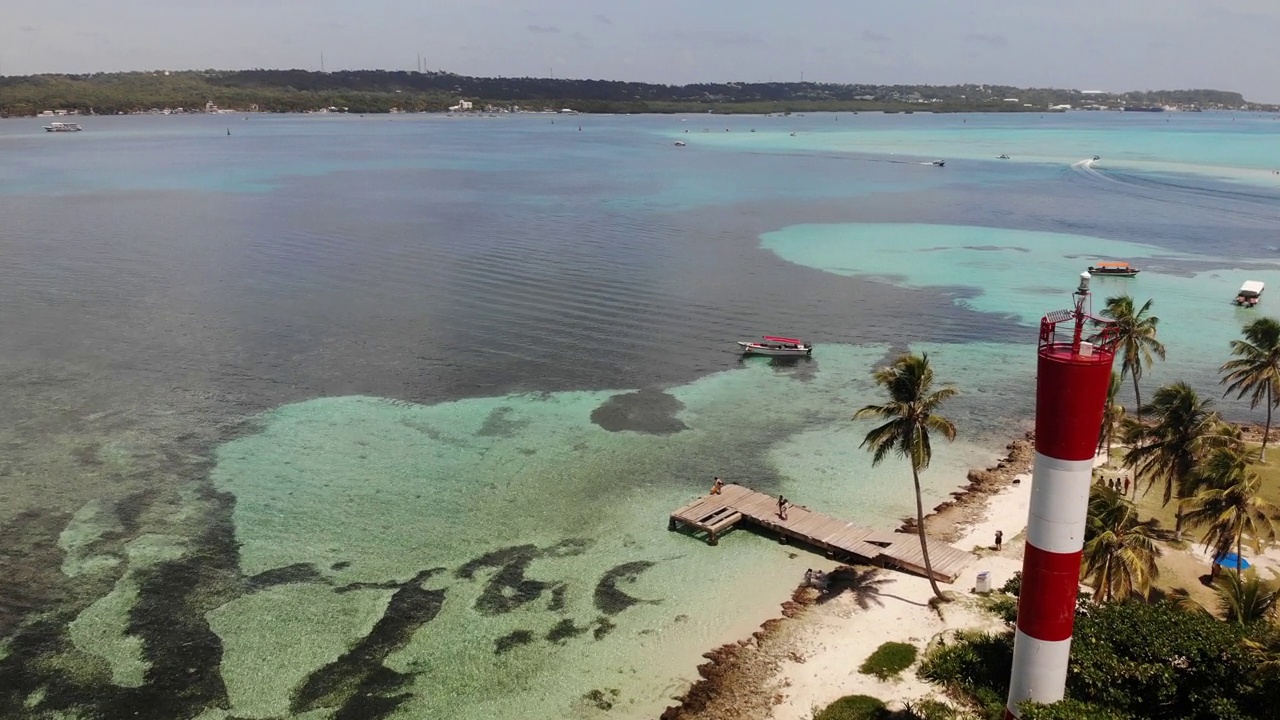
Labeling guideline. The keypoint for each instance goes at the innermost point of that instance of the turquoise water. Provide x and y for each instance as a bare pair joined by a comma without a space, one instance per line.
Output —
384,417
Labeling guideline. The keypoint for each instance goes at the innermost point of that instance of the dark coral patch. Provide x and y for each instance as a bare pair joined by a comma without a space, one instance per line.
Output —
512,640
287,575
564,631
608,598
644,411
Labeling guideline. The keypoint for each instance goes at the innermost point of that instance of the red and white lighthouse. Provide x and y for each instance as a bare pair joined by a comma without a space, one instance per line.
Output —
1071,390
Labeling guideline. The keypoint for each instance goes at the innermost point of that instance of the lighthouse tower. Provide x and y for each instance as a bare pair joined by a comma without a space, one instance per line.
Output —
1071,390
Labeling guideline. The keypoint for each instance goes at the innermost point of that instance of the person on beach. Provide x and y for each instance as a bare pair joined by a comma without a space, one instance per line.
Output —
1126,484
717,486
808,577
782,507
999,540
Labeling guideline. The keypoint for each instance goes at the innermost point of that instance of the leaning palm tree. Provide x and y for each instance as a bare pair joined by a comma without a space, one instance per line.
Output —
1132,335
1229,507
1182,432
1119,558
1112,416
1255,371
911,416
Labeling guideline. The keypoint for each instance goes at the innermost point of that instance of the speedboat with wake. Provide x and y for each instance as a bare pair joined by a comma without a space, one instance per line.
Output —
772,346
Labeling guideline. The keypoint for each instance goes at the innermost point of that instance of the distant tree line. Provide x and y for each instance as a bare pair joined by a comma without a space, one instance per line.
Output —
373,91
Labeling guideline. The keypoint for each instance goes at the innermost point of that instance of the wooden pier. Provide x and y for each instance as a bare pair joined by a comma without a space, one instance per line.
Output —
714,514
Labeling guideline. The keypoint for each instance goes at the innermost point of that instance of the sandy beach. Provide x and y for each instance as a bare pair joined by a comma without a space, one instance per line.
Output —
810,656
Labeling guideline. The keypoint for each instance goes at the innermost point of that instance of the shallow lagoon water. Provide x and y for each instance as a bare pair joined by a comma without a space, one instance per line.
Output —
387,414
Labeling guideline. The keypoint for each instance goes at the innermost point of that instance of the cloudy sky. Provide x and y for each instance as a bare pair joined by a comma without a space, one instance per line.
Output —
1085,44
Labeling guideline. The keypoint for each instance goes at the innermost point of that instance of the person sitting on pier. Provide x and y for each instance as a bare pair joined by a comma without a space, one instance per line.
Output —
717,486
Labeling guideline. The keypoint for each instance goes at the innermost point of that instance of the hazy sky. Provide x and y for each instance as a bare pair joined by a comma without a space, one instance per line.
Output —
1085,44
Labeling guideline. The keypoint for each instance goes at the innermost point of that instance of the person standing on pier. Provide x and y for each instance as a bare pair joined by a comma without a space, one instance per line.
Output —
782,507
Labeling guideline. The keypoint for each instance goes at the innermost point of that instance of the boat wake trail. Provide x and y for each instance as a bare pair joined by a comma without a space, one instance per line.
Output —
1225,200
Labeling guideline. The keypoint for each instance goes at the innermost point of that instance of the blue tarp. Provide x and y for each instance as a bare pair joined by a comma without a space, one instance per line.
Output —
1229,561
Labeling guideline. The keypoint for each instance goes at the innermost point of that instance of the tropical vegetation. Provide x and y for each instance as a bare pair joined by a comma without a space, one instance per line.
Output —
889,660
1255,369
1141,652
373,91
1131,333
910,414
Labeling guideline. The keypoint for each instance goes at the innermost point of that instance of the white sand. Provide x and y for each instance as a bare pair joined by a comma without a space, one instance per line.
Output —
838,636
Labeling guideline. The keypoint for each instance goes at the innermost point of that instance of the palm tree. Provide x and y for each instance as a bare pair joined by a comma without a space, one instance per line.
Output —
1132,335
1112,416
1182,431
1245,599
1229,506
1255,371
1119,558
910,415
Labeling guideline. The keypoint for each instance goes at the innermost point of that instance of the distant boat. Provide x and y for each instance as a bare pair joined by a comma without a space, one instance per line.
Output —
1250,293
1143,108
1002,157
679,143
1114,269
940,163
777,347
63,127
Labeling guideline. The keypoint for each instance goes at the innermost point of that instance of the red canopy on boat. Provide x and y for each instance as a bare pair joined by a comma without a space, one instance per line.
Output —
771,338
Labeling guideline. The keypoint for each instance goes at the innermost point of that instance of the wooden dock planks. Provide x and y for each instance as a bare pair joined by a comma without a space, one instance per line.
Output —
714,514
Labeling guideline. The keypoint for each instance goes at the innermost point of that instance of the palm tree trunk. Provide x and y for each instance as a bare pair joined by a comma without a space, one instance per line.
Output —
1137,398
1239,559
1262,455
924,546
1177,523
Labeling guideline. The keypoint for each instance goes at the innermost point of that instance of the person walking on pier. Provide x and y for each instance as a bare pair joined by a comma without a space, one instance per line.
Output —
782,507
717,486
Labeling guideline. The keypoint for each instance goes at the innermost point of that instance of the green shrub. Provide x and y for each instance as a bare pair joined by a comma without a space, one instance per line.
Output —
889,660
1069,710
854,707
1014,584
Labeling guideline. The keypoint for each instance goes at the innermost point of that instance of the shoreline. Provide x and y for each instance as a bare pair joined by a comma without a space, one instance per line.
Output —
736,682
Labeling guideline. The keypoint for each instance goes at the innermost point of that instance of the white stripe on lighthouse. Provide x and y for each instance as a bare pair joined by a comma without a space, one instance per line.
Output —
1039,670
1059,504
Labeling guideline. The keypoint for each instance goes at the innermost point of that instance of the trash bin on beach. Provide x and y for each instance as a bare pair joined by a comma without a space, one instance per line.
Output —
984,582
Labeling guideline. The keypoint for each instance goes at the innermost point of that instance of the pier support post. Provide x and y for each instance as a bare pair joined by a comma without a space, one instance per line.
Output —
1071,390
671,524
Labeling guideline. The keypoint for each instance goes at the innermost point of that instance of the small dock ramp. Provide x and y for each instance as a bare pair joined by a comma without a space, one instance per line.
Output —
716,513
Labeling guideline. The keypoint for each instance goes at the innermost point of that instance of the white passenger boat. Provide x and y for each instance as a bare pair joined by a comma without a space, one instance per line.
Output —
777,347
1250,293
63,127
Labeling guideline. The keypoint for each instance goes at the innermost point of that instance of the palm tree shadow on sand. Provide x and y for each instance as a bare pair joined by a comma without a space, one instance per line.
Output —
864,585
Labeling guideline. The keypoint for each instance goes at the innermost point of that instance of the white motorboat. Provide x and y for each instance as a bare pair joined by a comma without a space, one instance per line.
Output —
777,347
63,127
1250,293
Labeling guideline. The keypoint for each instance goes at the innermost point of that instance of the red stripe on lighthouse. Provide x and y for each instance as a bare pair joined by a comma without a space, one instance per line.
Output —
1047,599
1071,393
